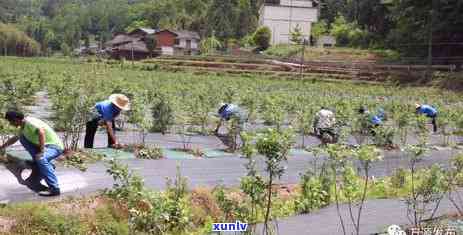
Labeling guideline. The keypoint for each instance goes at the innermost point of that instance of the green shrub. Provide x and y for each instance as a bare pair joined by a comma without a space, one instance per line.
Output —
108,223
150,153
320,28
231,208
151,212
163,115
348,34
398,179
312,195
262,38
296,35
384,136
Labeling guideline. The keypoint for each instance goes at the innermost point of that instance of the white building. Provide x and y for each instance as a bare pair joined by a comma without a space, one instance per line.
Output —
326,41
282,16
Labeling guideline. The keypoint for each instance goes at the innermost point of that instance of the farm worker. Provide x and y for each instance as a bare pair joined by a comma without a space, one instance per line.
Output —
429,111
42,143
370,120
103,114
324,122
228,112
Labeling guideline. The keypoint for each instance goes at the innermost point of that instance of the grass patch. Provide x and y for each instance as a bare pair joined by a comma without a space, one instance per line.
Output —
90,215
338,53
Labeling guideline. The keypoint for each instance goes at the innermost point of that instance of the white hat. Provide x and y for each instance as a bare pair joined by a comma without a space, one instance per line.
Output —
121,101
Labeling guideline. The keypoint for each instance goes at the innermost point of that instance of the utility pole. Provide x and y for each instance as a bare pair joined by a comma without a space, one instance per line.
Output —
131,44
430,39
304,43
290,19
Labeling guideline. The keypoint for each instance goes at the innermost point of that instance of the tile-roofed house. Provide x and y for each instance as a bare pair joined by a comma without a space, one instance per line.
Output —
135,49
143,32
133,44
119,39
186,34
177,42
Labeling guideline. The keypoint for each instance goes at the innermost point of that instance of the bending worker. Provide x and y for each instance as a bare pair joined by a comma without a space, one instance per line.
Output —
324,123
103,114
429,111
228,112
371,121
42,143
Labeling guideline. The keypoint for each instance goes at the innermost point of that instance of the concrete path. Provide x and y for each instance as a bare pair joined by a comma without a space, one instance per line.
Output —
201,172
212,172
376,217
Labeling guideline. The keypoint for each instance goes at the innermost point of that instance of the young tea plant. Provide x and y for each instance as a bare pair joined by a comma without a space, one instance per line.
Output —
275,146
337,160
140,115
253,185
366,155
454,180
312,195
413,200
162,114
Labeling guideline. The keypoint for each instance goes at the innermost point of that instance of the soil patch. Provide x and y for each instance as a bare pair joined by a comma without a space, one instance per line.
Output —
6,224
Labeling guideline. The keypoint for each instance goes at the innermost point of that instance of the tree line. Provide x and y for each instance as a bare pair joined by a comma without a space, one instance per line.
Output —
408,26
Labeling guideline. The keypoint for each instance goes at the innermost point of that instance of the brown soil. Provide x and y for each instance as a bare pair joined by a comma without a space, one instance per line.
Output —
6,224
81,206
195,151
358,71
204,204
287,191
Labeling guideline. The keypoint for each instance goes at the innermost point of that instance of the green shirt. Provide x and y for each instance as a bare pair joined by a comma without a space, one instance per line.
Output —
31,132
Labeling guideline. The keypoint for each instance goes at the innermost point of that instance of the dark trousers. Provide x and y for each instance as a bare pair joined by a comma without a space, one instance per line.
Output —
434,123
90,131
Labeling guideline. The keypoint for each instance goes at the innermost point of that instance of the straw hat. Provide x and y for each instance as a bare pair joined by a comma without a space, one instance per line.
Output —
121,101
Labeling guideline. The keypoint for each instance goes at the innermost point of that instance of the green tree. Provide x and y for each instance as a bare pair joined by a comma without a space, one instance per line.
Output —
296,35
210,45
319,29
222,18
65,49
412,26
247,18
16,42
262,38
347,34
151,44
6,10
275,146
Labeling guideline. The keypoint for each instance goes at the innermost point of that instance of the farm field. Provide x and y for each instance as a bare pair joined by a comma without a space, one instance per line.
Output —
173,112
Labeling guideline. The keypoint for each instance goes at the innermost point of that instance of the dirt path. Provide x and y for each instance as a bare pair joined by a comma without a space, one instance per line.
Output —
42,108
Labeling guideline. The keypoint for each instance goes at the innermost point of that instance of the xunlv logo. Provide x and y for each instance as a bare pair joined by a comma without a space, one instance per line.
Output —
232,227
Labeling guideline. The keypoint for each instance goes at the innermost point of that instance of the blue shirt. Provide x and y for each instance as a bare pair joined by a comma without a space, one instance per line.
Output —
107,110
376,119
229,111
428,110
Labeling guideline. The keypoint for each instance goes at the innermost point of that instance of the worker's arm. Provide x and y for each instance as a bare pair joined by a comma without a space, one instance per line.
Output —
218,126
109,126
41,139
41,133
10,142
